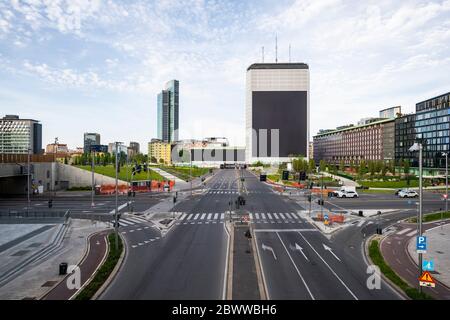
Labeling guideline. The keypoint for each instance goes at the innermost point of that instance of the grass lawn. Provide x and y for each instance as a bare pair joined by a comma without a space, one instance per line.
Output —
184,172
375,191
377,259
432,217
390,184
110,172
104,271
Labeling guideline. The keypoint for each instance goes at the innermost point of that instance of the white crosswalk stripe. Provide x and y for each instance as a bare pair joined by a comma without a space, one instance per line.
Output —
183,216
203,216
251,216
216,216
136,219
404,231
269,216
222,216
196,216
282,216
275,215
263,216
257,216
209,216
189,217
412,233
124,222
288,215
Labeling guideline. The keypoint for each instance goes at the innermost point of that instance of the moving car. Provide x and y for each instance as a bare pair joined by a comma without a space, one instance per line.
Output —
407,194
346,194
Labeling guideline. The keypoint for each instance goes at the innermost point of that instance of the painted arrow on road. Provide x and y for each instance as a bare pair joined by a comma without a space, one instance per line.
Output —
329,249
264,247
297,247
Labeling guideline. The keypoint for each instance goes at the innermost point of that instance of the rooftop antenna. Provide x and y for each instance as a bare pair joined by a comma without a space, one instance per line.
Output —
263,54
276,49
289,53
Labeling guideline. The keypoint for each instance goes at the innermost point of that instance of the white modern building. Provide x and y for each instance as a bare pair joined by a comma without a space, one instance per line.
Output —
277,112
18,135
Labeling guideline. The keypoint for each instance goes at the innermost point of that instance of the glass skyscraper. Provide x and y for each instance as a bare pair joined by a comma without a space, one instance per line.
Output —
19,135
168,112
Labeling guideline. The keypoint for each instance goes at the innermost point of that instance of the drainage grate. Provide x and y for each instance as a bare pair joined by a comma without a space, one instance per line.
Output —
19,253
49,284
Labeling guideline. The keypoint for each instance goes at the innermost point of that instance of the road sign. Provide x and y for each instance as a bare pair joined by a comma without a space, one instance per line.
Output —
426,280
421,244
428,265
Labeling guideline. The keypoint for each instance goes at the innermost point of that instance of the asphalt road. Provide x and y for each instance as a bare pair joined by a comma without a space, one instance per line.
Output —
190,261
302,263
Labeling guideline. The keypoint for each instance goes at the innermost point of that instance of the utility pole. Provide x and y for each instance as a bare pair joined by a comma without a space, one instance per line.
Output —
93,177
116,227
446,186
190,168
54,171
28,180
418,147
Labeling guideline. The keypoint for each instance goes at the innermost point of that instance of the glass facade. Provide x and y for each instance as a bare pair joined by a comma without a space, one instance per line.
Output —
429,125
168,112
18,135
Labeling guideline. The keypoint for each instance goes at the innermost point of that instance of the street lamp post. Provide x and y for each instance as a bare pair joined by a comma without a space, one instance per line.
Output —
116,215
446,185
28,180
419,147
93,177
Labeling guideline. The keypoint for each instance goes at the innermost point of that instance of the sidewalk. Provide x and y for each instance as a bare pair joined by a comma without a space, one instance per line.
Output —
394,248
179,184
91,262
438,250
36,259
346,182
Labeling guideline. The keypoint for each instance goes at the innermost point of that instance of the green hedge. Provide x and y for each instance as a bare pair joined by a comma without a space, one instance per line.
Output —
377,258
432,217
104,271
110,171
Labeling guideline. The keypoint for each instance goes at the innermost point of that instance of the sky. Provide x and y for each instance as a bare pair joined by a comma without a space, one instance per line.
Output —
97,66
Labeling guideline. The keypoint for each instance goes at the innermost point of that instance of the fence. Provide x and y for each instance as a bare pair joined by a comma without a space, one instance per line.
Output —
50,214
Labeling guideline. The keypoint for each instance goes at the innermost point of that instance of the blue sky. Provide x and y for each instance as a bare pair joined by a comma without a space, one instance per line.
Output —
80,66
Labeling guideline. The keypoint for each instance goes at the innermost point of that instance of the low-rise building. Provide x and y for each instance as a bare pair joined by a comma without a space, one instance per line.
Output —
159,151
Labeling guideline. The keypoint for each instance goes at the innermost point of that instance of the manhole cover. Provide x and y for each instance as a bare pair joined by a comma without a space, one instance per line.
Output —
19,253
49,284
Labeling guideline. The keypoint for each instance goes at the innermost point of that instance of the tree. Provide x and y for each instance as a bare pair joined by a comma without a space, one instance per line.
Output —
153,160
161,160
311,165
372,168
322,165
362,168
384,168
342,165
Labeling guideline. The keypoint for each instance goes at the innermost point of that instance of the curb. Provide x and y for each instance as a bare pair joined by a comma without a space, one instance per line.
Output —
229,290
96,269
261,285
398,290
114,272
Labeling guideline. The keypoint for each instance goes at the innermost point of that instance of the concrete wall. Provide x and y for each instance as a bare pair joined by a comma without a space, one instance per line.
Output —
80,178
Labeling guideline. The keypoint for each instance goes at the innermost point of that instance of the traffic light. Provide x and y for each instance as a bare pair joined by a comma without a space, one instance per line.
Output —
309,198
285,175
145,168
302,176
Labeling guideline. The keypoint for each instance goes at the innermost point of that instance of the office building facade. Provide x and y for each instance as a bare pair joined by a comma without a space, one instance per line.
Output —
159,151
277,112
391,113
429,125
91,139
18,135
168,112
373,141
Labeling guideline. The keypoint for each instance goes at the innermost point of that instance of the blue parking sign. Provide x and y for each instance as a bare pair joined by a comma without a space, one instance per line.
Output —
421,244
428,265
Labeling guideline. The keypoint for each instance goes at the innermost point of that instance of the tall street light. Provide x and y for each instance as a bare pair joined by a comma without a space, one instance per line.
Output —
28,180
418,147
446,184
116,214
93,176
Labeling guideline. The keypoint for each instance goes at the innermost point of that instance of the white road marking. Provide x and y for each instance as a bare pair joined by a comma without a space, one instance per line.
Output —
209,216
216,216
251,216
183,216
403,231
275,215
295,266
360,223
263,216
331,269
222,216
269,216
288,215
282,216
412,233
189,217
196,216
203,216
257,216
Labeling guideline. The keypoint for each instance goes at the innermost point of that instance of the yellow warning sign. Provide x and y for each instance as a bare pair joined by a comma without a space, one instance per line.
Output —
426,280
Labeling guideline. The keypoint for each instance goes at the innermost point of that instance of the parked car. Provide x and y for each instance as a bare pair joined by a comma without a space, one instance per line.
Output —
408,194
347,194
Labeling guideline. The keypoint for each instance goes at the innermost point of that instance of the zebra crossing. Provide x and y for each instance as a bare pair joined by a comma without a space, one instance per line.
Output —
220,191
130,221
256,217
